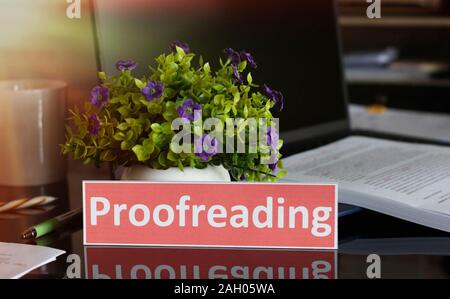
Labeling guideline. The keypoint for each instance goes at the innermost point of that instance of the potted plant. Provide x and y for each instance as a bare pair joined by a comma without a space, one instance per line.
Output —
129,121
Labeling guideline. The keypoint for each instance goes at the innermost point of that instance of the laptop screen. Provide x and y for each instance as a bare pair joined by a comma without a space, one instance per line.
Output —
295,44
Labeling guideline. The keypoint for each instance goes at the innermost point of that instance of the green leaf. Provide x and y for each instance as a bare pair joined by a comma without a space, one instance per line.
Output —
102,76
139,83
162,160
129,135
249,78
170,112
123,126
281,174
218,87
180,52
143,152
107,156
169,93
140,152
124,99
236,173
103,142
242,66
233,108
156,127
124,111
172,156
114,100
219,99
119,136
153,108
126,145
180,165
236,96
207,68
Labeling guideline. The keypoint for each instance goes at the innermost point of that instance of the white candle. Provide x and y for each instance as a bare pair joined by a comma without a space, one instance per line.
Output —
32,116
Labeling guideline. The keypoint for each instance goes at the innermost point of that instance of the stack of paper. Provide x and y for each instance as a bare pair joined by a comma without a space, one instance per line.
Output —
16,260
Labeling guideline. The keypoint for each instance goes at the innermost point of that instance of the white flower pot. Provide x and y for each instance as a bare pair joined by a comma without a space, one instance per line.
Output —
174,174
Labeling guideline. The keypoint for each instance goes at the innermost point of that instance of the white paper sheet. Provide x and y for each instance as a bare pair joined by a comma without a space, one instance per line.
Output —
16,260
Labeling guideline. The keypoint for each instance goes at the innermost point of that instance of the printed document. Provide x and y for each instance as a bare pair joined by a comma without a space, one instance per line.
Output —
405,180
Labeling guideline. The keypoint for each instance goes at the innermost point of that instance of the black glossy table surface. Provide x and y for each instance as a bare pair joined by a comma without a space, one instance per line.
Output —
405,250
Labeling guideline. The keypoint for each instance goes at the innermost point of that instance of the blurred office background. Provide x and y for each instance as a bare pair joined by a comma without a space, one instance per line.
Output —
412,41
401,59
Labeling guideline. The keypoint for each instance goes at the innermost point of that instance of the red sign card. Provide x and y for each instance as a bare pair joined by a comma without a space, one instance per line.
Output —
210,214
188,263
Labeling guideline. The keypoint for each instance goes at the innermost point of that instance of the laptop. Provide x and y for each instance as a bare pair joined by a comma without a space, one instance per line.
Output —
295,43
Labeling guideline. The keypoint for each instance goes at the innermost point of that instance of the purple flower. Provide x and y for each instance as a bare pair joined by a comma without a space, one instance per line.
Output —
249,58
153,90
125,65
275,96
94,124
208,146
181,45
273,166
236,74
189,110
234,56
99,96
272,137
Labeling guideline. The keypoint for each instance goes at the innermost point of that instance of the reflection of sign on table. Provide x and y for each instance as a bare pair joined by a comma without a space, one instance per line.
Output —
212,215
183,263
